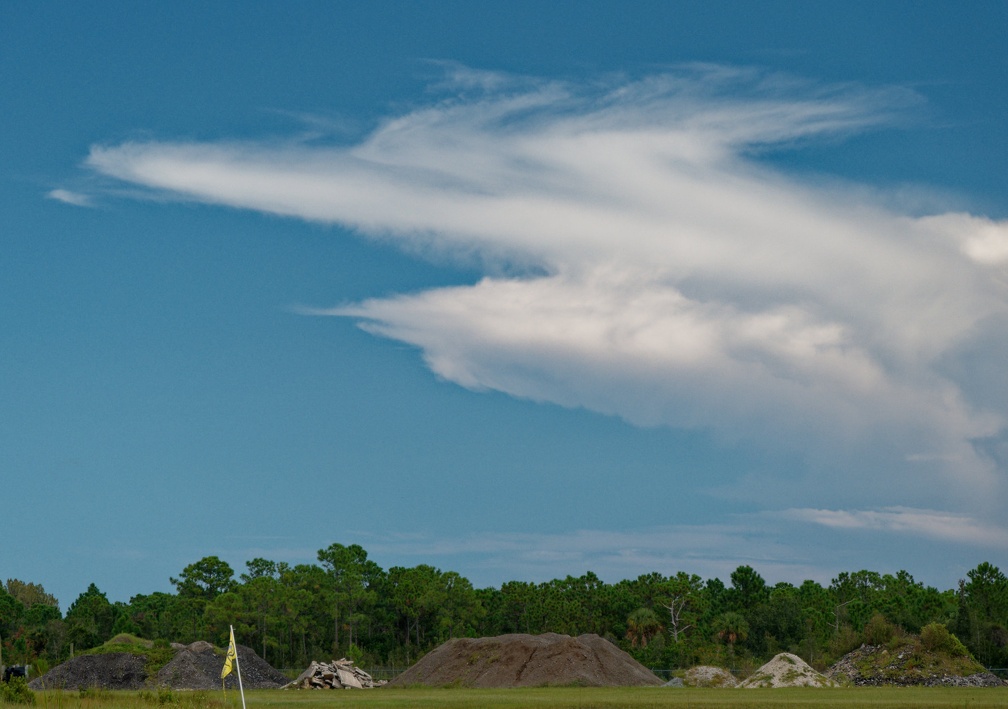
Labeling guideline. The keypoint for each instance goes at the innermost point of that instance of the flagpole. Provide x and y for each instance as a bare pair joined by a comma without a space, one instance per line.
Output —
238,668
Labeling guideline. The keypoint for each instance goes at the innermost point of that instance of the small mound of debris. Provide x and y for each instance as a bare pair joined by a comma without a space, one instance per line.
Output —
115,670
907,665
339,674
787,670
198,666
522,660
707,676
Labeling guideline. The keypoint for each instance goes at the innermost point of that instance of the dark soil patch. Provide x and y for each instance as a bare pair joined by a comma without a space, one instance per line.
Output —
116,670
196,666
528,661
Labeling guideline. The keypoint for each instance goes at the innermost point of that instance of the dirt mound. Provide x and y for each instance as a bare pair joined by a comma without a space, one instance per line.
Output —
198,666
117,670
907,664
528,661
707,676
787,670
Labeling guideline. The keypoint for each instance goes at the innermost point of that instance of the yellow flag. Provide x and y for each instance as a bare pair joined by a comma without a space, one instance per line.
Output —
230,658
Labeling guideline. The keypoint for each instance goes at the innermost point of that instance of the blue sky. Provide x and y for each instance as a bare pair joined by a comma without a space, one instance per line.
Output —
520,290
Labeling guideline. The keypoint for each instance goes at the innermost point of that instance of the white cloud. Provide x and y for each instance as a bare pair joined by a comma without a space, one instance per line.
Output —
983,240
929,524
777,544
66,196
670,279
712,550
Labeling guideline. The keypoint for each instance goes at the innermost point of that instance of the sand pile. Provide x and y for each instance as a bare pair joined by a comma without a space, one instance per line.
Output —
787,670
707,676
528,661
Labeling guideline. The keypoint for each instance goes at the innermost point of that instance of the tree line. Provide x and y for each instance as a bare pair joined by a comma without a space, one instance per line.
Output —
347,605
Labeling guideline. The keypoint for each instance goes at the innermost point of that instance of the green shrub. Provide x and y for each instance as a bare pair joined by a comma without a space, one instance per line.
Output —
15,691
878,630
97,693
40,667
166,696
355,654
935,637
844,641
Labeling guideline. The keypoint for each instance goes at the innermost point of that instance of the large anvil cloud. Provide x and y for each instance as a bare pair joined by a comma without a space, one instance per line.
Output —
641,260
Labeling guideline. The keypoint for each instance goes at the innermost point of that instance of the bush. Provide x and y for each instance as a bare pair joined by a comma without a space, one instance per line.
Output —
844,641
40,667
878,630
16,691
935,637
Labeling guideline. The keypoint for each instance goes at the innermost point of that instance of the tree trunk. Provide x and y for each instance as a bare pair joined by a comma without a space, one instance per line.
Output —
336,629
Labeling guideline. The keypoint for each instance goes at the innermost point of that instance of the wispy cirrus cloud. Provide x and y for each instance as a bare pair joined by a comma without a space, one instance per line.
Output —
659,271
711,550
929,524
776,543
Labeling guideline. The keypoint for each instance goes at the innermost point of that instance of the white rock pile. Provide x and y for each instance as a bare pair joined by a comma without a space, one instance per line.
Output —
787,670
338,674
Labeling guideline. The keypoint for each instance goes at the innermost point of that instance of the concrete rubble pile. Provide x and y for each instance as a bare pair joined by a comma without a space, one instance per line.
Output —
339,674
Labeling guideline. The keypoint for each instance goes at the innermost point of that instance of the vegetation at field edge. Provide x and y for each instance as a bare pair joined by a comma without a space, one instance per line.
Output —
346,605
539,698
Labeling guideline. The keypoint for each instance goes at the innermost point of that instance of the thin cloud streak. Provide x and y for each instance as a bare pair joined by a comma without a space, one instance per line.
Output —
670,278
713,550
775,543
67,197
930,524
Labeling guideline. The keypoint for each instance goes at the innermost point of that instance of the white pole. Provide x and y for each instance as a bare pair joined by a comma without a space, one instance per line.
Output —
238,667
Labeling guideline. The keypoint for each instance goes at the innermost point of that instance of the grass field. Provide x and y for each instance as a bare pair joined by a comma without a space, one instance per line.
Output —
545,698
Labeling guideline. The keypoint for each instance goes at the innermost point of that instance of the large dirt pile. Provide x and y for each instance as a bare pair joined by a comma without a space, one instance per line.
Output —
528,661
198,666
787,670
908,664
117,670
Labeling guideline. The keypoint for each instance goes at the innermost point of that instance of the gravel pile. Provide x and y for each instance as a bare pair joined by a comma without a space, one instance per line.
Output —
117,670
708,676
877,666
195,666
528,661
198,666
787,670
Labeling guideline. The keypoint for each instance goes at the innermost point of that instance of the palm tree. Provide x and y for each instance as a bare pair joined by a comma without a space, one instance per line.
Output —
730,628
642,625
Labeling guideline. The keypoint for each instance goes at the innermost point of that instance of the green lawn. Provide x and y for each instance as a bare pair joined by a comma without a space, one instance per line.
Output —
561,698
